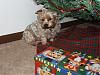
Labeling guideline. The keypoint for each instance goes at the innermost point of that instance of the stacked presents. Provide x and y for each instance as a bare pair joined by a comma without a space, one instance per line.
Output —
56,61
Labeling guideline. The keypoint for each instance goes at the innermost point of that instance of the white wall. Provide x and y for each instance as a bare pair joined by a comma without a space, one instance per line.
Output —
16,14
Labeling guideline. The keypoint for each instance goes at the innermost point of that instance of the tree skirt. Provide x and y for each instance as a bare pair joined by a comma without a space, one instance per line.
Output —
77,38
81,9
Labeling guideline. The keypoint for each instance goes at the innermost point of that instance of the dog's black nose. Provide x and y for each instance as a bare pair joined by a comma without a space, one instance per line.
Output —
45,25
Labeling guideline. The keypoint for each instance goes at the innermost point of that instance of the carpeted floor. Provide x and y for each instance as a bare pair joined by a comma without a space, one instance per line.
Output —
16,58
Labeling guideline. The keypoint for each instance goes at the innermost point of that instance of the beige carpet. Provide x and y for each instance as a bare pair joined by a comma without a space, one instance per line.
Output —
16,58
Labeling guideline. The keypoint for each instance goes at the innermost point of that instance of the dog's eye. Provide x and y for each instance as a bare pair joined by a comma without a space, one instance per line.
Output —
42,19
49,19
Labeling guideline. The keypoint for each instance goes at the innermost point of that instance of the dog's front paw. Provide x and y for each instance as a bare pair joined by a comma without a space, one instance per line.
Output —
51,39
44,41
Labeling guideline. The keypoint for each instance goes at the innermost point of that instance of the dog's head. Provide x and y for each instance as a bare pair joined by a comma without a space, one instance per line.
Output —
47,18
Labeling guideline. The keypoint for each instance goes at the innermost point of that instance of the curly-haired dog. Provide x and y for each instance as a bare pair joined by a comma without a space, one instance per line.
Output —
44,28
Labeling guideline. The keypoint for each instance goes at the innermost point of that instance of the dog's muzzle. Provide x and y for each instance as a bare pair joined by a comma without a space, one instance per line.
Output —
46,27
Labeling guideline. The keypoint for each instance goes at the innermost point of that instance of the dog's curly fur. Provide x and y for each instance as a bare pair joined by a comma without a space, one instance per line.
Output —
45,27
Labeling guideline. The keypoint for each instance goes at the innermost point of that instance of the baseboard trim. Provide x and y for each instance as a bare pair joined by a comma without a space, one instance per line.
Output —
10,37
18,36
71,23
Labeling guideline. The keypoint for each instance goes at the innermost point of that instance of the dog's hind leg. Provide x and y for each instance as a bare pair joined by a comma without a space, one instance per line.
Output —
29,37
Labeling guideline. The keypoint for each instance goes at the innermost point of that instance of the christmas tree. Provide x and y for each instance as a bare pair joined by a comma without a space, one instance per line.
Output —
81,9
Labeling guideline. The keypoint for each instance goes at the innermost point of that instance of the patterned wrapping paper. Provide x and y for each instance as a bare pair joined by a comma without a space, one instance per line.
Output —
43,69
82,39
56,61
93,67
49,58
74,64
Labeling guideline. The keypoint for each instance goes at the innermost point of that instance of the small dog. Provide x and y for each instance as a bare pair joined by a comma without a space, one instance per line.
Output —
44,28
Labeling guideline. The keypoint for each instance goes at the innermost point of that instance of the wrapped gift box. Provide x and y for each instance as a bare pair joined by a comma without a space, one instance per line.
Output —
74,64
49,58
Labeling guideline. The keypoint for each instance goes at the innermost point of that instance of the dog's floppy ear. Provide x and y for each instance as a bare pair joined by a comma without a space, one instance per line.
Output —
56,15
39,11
